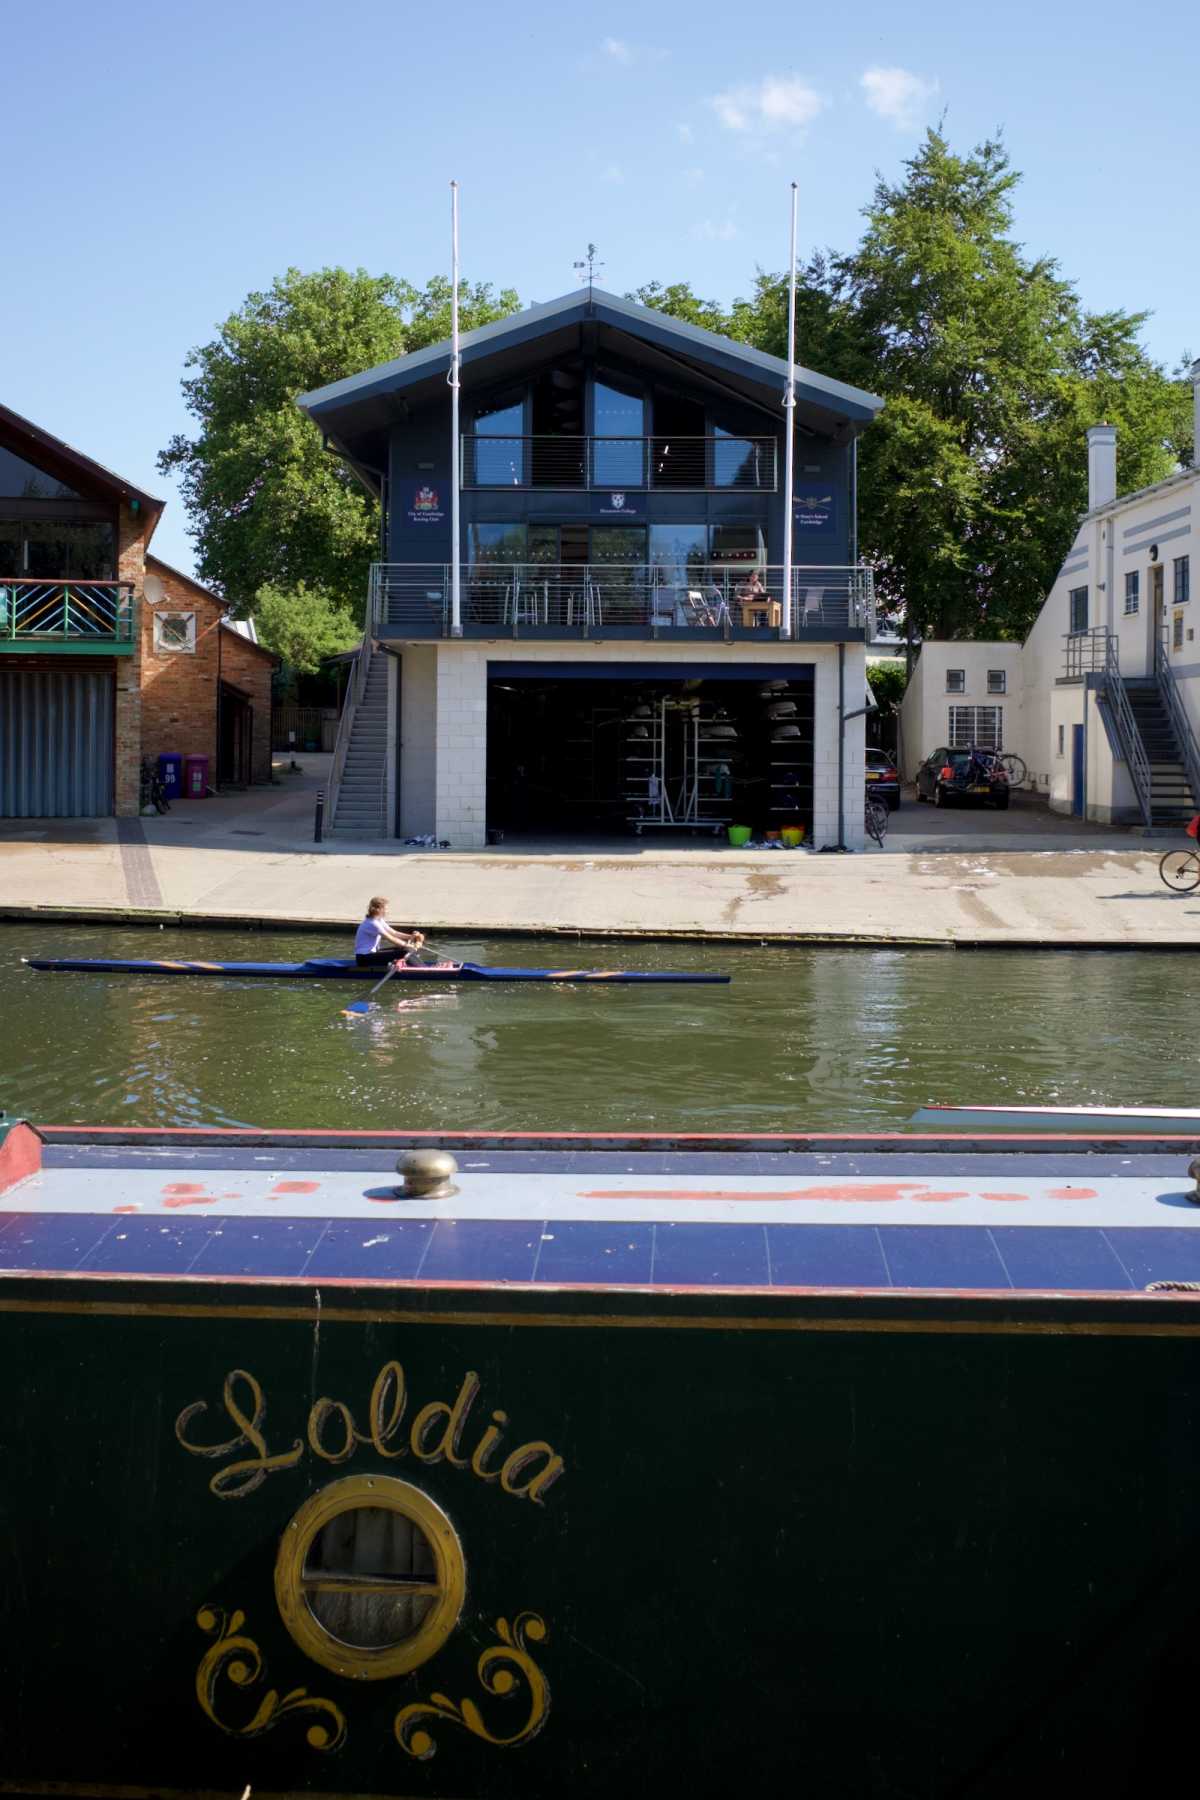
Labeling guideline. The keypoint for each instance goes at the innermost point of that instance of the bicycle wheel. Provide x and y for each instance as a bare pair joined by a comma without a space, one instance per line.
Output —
1014,768
876,821
1180,869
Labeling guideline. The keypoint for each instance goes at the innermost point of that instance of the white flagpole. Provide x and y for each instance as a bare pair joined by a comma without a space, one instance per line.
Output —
789,454
455,452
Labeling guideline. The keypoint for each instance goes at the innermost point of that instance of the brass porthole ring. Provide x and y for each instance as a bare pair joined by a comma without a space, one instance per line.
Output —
370,1577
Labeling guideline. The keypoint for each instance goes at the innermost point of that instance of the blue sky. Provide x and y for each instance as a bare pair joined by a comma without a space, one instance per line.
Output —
178,157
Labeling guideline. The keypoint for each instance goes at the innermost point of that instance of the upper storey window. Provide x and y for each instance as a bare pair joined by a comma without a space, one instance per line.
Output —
20,480
619,451
498,449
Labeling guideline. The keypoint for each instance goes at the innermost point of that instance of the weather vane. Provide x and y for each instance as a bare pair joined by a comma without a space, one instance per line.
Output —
592,267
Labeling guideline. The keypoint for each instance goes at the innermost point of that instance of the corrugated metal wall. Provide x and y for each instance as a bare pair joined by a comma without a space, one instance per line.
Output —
56,744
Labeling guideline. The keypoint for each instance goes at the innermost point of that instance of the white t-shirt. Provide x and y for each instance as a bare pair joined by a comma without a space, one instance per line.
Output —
368,939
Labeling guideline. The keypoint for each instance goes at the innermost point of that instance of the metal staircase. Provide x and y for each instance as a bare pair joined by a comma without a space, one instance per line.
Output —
359,783
1172,801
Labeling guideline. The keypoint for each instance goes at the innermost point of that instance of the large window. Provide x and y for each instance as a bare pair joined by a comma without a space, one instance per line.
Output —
621,417
737,544
1079,610
976,727
498,450
737,461
678,554
57,549
20,480
1183,579
496,544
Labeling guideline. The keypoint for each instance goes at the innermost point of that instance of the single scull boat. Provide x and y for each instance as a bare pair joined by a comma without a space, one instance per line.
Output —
1158,1121
344,968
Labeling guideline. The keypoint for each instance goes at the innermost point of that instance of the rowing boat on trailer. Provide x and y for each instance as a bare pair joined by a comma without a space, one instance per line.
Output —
344,968
1096,1121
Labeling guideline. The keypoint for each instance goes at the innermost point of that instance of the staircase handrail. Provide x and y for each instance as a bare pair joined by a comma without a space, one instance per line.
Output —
1136,759
355,690
1168,688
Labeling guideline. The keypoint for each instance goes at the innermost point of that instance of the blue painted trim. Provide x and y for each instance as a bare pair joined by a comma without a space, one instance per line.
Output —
1181,512
1158,537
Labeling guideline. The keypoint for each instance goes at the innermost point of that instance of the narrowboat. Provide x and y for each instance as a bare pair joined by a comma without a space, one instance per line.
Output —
366,1464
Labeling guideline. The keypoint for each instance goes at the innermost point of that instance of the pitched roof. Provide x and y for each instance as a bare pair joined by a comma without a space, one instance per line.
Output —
36,440
355,411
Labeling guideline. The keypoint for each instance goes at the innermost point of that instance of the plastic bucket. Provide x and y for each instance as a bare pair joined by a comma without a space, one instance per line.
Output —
793,836
739,835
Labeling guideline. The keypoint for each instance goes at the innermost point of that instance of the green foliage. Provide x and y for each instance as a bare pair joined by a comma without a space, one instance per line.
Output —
267,504
887,684
302,625
972,482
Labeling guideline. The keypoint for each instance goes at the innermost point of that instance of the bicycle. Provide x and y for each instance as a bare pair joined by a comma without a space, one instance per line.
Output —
876,821
1014,768
153,793
1180,869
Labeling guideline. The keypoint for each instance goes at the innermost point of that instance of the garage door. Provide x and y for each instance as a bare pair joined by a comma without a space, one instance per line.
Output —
56,744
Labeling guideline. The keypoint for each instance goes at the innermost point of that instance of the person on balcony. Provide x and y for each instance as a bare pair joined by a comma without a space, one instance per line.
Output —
376,943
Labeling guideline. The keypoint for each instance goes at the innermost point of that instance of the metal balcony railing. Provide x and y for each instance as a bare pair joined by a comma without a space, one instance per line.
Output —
620,463
1085,653
589,599
58,613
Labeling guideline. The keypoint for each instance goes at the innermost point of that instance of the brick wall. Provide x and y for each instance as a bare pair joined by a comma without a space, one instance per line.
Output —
179,687
248,667
127,717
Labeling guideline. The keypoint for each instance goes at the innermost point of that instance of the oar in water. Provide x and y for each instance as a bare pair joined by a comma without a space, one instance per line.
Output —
364,1006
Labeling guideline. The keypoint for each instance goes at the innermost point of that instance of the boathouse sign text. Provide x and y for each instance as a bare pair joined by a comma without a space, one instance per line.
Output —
441,1431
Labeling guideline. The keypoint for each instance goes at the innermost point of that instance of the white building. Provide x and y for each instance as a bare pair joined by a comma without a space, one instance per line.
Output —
620,651
1102,700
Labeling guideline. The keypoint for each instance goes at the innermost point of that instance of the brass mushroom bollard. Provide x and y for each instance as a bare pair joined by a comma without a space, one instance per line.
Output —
426,1175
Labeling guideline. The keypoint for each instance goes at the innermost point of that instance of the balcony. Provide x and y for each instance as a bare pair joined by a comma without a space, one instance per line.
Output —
623,600
626,464
79,617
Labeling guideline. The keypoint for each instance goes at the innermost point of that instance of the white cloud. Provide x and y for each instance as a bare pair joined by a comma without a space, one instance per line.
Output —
617,49
777,103
715,231
897,95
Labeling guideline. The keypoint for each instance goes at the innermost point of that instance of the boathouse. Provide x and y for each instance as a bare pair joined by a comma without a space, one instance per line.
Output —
107,654
620,656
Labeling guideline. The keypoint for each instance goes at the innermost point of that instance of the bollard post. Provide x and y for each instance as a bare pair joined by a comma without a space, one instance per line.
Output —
319,820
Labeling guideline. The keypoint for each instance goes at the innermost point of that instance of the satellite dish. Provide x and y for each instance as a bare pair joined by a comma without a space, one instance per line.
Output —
152,587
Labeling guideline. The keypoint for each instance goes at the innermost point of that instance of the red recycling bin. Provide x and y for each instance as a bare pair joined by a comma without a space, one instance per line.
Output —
195,777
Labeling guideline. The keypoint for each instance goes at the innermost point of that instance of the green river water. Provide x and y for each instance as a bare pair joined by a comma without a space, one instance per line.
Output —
801,1040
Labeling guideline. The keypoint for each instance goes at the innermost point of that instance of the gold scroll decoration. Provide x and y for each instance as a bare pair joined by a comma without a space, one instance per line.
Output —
239,1660
499,1668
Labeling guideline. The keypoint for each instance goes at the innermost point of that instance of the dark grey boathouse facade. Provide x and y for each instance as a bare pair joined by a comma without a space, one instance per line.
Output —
623,655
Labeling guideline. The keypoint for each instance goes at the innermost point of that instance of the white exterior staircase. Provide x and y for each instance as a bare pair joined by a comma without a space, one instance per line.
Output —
360,772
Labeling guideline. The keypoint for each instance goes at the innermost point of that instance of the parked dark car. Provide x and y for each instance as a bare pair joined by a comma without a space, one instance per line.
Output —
883,779
949,777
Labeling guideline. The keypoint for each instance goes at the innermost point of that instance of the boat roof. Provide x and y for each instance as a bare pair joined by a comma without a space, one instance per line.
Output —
890,1215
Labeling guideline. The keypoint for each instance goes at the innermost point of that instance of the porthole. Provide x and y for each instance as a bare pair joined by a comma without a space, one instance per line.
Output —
370,1577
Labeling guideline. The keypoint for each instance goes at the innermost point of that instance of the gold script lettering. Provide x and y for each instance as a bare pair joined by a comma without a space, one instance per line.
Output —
456,1418
516,1464
322,1410
486,1445
386,1410
238,1478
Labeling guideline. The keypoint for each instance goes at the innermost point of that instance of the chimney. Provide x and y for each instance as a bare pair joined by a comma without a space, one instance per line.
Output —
1196,414
1102,465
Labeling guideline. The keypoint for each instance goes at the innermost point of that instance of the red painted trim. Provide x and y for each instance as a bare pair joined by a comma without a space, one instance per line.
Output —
20,1155
234,1134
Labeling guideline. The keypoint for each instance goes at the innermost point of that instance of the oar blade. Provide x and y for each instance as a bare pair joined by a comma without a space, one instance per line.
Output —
355,1008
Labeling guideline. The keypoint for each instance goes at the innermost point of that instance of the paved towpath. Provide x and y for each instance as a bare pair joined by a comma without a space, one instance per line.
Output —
968,880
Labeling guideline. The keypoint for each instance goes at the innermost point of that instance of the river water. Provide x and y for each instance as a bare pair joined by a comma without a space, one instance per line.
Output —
803,1039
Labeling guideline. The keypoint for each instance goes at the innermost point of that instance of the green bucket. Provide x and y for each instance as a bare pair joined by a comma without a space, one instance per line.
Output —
739,835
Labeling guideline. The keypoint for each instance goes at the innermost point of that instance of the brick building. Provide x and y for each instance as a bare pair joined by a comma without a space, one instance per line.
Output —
107,654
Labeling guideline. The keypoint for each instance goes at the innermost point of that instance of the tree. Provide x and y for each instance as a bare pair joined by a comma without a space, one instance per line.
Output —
972,481
303,625
268,506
